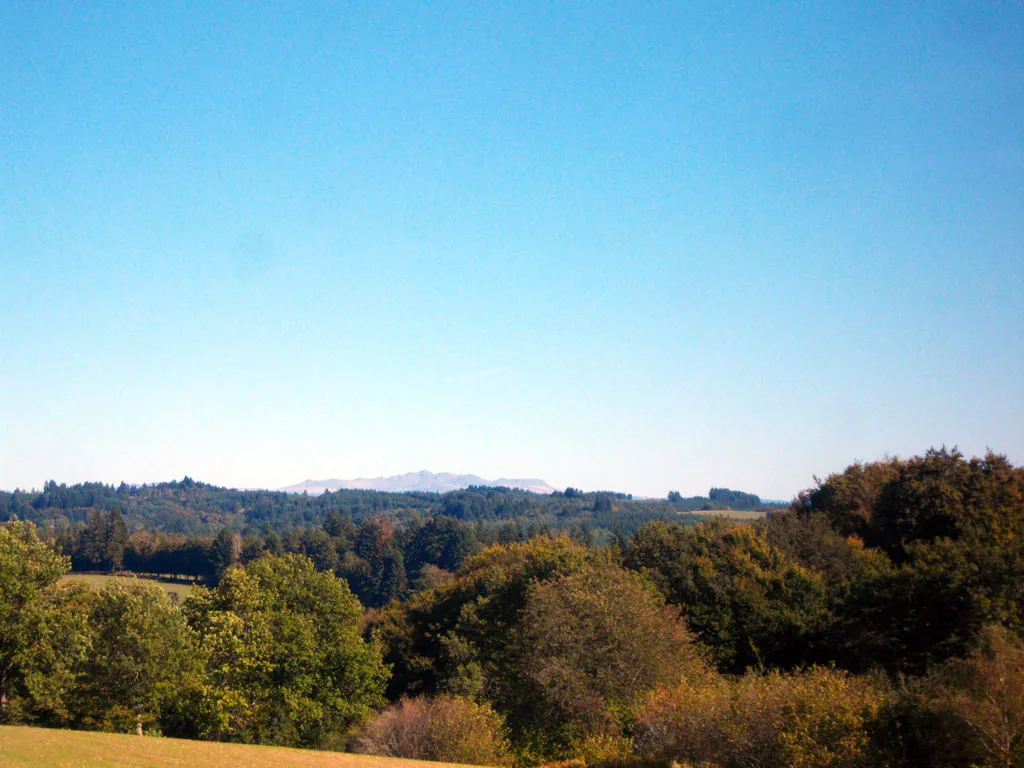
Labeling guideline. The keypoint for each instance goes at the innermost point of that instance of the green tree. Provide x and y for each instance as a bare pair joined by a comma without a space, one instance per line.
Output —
43,636
91,553
455,638
894,504
225,553
286,663
116,538
143,655
745,599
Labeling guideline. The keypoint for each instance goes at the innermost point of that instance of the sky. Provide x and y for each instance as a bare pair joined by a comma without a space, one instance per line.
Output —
614,245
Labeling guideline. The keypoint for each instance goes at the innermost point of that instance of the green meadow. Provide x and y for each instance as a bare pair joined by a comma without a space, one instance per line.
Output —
175,589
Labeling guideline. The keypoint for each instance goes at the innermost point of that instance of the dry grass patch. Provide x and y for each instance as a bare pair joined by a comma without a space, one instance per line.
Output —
733,514
22,747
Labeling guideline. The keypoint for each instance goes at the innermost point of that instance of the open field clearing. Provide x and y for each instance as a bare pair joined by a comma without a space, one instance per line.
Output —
98,580
23,747
733,514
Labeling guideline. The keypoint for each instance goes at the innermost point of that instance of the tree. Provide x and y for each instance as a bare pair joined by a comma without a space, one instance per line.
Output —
848,498
116,538
286,662
91,553
455,638
894,504
42,626
143,654
746,600
593,644
950,535
725,497
441,541
225,552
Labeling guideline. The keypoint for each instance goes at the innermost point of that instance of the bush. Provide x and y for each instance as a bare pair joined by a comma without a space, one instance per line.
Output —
966,712
449,729
985,691
605,750
816,718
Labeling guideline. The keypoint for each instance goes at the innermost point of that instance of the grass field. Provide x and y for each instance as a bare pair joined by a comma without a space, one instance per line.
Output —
97,580
22,747
733,514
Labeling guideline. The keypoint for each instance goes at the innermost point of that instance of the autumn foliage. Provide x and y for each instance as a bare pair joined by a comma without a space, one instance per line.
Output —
449,729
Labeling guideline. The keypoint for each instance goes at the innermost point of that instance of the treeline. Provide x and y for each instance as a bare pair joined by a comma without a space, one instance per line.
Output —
196,509
720,498
876,622
193,508
381,559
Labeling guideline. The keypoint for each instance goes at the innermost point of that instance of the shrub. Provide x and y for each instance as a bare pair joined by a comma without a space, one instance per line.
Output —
986,691
965,713
605,750
816,718
449,729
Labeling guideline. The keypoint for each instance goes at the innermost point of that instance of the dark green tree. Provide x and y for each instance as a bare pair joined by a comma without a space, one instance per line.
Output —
225,553
745,599
115,540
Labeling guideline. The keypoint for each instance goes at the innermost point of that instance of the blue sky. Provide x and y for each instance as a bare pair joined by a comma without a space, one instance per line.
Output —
614,245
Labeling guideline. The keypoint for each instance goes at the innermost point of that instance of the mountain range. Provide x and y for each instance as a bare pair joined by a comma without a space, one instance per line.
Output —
441,482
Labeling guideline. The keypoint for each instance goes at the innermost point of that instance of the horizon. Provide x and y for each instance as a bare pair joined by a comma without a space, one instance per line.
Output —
556,488
609,246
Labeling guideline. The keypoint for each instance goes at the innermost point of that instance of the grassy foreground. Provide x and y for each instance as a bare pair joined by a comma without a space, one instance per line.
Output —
98,580
23,747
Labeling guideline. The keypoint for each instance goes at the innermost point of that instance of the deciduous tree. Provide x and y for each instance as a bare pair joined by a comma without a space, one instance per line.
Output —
143,654
43,637
285,660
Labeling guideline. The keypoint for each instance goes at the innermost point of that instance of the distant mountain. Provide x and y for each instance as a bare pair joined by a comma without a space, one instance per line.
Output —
418,481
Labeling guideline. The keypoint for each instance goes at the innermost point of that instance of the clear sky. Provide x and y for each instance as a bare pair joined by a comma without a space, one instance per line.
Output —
630,246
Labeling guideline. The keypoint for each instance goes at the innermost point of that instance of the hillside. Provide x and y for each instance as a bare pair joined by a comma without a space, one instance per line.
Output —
23,747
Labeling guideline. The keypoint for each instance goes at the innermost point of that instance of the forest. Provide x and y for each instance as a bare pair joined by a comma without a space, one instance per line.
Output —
193,508
877,620
385,545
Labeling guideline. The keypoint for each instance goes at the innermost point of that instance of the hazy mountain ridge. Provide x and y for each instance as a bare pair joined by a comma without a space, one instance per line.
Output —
441,482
